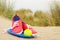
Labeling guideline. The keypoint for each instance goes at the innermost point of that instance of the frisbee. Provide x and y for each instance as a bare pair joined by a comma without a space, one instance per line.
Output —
19,35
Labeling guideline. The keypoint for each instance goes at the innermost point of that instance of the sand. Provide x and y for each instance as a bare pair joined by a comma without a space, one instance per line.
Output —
43,33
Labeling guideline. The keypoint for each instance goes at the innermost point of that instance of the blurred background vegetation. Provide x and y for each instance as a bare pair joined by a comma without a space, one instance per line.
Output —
39,18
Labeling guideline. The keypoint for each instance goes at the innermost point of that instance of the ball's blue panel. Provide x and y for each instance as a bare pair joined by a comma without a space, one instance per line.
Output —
19,35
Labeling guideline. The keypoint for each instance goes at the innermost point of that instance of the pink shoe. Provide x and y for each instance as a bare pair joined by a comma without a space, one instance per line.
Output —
26,26
17,25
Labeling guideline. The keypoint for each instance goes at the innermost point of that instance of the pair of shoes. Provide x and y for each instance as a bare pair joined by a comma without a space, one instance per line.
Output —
18,26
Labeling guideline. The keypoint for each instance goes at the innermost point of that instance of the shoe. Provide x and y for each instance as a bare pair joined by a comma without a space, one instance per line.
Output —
26,26
17,25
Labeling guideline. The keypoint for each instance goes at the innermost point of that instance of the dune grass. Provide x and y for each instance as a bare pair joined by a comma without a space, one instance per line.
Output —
39,18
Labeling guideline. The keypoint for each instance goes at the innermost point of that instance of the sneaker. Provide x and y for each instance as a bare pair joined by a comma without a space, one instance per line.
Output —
26,26
17,25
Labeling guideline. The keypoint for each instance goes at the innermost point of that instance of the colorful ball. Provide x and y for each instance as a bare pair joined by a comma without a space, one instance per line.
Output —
27,32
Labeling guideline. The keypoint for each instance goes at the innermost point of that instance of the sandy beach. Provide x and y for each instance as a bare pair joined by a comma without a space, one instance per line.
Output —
43,33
